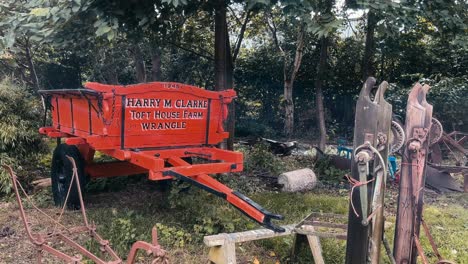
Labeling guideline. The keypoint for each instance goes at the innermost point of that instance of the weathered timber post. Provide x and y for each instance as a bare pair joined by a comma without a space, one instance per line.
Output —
410,199
368,167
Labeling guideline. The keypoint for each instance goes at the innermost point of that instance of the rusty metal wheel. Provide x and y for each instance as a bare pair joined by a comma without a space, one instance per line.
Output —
397,137
436,131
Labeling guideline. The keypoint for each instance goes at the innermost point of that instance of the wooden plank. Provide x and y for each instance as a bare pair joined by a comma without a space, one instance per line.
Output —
419,190
341,235
225,254
315,247
221,239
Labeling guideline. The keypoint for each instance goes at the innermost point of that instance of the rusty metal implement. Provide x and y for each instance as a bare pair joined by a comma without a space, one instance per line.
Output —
422,130
369,169
154,128
44,242
410,198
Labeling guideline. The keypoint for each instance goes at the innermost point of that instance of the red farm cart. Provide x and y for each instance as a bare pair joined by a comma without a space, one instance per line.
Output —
152,128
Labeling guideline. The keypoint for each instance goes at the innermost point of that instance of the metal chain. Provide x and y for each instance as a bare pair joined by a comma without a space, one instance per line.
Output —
106,121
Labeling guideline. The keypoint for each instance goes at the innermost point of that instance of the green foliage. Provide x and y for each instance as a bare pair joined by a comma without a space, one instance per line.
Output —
172,236
259,159
328,173
37,19
206,213
123,234
20,116
449,97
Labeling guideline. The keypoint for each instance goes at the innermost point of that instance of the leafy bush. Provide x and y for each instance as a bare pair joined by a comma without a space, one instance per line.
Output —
172,236
260,159
20,115
449,97
123,234
206,213
328,173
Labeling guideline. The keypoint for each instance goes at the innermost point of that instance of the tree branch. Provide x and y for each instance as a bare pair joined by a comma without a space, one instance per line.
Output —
235,16
209,57
241,36
299,52
273,30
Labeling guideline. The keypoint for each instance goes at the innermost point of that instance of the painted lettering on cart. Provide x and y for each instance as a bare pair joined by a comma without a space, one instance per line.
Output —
164,113
166,103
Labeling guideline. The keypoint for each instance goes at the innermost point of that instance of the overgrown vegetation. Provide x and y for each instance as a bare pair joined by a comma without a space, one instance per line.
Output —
20,117
124,221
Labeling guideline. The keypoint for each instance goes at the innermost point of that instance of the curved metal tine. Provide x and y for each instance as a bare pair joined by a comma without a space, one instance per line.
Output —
367,88
78,186
379,95
21,207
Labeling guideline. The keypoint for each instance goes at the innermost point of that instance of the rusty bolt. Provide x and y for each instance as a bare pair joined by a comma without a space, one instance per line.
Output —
363,157
414,145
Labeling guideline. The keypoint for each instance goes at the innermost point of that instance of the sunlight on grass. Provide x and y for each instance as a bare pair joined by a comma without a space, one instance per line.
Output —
184,220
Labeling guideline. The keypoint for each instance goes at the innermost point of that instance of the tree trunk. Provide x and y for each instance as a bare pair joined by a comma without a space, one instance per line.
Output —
231,121
289,82
156,66
32,68
288,108
321,69
220,46
369,49
139,64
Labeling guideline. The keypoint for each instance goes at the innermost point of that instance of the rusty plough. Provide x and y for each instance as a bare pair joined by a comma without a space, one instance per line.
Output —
422,130
368,174
45,241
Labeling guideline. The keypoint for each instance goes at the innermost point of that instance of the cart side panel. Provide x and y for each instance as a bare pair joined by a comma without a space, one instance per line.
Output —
171,118
150,115
78,116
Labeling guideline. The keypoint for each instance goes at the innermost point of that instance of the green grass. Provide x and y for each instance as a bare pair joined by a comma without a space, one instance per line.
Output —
184,217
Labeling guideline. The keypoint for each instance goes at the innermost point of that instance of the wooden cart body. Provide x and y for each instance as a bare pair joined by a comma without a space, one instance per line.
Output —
152,128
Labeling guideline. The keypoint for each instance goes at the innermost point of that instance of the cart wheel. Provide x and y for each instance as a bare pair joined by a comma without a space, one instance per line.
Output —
62,172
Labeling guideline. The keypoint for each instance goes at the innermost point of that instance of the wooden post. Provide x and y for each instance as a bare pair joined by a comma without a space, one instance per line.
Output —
372,125
410,198
315,246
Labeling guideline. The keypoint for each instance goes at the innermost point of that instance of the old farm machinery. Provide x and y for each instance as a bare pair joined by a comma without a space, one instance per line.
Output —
368,168
161,129
422,130
149,128
171,131
60,240
375,137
